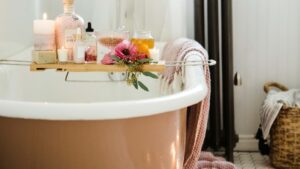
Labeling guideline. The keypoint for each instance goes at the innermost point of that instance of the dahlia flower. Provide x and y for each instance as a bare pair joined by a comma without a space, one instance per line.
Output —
126,51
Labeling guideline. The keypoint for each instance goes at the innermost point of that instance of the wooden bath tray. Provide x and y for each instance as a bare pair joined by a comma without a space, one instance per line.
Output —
93,67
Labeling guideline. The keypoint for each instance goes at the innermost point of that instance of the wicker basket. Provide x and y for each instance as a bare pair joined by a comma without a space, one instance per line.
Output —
285,135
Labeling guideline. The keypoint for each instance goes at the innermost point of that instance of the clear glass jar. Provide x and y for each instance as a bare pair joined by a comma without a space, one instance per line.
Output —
144,38
107,40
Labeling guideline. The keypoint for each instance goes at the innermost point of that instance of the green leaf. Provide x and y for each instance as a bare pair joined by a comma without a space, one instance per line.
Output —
143,86
147,60
114,57
135,84
149,74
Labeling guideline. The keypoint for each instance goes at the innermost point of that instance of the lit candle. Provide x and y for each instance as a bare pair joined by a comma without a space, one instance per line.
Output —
44,34
62,55
154,54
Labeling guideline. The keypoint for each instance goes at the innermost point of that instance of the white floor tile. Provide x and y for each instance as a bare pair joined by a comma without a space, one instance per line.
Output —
244,160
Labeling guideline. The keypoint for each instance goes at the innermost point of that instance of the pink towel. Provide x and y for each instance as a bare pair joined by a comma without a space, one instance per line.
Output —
209,161
177,50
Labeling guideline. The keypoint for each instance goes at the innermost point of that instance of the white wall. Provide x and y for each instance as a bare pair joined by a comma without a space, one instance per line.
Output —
165,18
16,19
266,48
190,19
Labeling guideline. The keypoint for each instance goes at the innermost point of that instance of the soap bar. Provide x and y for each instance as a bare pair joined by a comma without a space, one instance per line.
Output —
44,57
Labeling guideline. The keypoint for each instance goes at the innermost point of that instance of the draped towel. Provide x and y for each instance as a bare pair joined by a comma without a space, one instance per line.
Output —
178,50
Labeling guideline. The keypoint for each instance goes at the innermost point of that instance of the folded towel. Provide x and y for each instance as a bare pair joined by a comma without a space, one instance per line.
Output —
272,106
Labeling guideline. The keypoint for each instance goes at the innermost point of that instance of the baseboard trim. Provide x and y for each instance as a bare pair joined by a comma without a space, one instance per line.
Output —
247,143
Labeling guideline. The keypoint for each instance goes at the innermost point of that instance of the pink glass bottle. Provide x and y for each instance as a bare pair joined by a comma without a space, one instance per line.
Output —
66,26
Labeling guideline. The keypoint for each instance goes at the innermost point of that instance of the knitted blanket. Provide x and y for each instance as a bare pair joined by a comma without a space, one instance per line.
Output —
176,51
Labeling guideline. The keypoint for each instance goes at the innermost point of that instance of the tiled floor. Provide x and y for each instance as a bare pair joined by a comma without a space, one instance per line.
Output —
244,160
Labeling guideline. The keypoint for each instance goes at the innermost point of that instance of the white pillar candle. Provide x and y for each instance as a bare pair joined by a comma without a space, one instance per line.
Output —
44,34
62,55
154,54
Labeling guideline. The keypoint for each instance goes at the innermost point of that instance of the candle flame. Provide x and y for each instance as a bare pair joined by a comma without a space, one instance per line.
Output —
45,16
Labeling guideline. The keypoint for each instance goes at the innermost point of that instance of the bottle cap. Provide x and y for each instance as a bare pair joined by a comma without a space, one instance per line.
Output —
69,2
89,28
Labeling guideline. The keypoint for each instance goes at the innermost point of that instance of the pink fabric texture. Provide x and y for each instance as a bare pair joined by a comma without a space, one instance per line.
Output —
209,161
178,50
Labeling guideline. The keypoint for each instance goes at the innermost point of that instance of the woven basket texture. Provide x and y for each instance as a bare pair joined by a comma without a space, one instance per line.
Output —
285,139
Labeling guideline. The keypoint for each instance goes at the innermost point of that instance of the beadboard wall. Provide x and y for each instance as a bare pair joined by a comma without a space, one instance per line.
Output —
266,48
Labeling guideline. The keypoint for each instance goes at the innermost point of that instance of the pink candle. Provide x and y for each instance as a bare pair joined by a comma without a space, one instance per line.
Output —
44,34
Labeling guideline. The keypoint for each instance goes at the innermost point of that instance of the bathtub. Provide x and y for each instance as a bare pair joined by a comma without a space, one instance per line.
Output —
47,123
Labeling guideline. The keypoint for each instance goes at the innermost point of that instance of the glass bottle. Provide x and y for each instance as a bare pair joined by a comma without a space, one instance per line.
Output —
66,26
79,48
91,44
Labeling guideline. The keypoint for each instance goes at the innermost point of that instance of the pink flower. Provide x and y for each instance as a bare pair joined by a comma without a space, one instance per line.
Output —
107,60
126,51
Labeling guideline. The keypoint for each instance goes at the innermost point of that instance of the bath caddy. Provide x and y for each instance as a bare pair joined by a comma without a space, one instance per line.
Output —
93,67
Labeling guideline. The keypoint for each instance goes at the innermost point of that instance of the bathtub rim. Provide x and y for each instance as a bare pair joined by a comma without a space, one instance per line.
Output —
101,110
